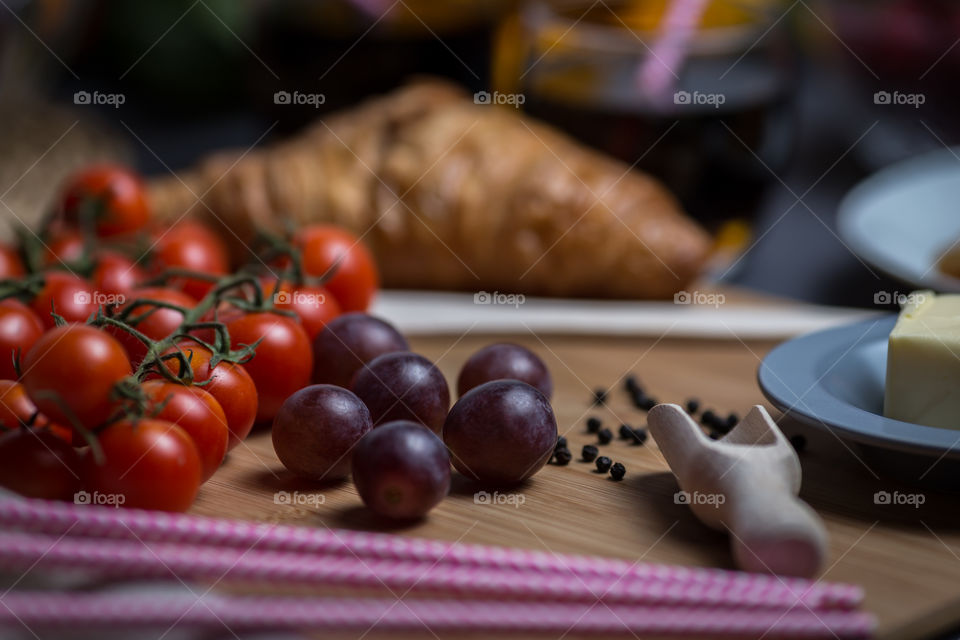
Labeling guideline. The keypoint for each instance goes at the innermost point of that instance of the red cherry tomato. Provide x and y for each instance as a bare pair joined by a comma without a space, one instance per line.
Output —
79,366
38,464
229,383
65,245
283,362
16,409
193,246
315,306
116,274
157,322
150,464
196,412
11,265
69,295
19,329
117,190
355,280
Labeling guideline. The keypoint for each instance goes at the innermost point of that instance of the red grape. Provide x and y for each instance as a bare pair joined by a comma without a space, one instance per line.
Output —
504,360
350,341
403,386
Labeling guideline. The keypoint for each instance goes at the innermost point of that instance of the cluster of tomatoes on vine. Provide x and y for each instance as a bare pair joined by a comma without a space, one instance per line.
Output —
133,355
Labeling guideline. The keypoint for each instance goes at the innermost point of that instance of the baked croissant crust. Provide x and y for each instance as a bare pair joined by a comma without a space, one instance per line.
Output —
449,194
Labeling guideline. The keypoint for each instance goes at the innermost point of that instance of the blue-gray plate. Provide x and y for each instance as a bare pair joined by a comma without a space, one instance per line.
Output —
834,380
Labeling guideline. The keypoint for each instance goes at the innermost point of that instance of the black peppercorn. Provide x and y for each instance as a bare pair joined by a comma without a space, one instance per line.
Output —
603,464
589,453
617,471
639,436
732,421
714,435
561,443
604,436
693,405
708,417
631,385
593,424
599,396
639,399
562,456
626,432
649,403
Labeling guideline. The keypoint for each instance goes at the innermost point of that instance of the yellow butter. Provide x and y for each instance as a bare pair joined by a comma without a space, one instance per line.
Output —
923,362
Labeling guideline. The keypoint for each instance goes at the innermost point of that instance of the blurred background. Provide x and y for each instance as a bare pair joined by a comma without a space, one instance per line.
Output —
764,167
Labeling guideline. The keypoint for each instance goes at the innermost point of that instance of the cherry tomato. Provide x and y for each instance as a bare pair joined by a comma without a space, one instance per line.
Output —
229,383
193,246
65,245
315,306
69,295
196,412
116,274
38,464
19,329
11,265
283,362
157,324
16,409
117,190
355,280
74,369
150,464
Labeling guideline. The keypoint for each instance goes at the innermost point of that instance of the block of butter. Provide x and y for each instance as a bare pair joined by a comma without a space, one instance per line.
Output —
923,362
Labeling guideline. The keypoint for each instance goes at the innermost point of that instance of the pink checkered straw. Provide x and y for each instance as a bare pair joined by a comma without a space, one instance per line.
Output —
85,611
57,518
657,74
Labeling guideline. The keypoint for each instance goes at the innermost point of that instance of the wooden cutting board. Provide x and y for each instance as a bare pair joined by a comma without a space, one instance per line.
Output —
906,559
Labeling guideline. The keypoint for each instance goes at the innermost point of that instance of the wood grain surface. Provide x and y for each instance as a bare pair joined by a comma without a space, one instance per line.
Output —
907,559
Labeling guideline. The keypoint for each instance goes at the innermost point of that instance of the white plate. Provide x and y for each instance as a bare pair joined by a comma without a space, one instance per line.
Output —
903,218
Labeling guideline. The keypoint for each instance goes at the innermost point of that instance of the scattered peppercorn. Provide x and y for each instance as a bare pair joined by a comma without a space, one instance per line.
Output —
649,403
626,432
617,471
589,453
732,421
639,436
639,399
561,443
562,456
604,436
708,417
714,435
693,405
603,464
799,442
599,396
631,385
593,424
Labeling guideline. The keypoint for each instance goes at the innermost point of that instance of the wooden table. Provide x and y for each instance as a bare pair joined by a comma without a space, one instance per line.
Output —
907,559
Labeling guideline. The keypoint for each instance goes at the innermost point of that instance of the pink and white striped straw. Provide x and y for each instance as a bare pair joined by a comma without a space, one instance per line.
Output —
132,559
244,613
57,518
657,73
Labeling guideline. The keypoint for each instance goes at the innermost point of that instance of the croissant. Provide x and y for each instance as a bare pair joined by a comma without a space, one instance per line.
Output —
450,194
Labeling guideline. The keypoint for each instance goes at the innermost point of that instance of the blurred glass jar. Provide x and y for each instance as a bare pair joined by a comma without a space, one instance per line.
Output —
716,134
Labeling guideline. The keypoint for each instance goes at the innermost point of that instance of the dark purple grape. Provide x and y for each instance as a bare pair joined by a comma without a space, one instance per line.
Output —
401,470
504,360
403,386
501,432
316,429
350,341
